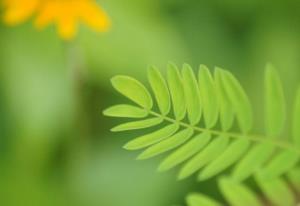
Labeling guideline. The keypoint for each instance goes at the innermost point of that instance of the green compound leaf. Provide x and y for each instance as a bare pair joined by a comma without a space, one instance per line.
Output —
213,150
185,152
239,100
177,91
125,110
274,103
192,94
208,144
208,96
237,194
253,160
141,124
296,120
133,89
167,144
160,90
196,199
152,138
232,154
277,191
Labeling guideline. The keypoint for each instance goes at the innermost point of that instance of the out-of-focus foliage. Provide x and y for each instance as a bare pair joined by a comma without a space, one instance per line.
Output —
55,145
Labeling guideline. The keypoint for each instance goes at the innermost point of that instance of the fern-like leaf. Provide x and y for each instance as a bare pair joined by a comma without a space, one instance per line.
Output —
193,107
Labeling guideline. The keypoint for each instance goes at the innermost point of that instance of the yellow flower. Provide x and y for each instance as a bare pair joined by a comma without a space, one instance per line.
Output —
66,14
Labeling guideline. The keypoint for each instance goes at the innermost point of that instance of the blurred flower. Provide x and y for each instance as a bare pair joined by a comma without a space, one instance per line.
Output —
66,14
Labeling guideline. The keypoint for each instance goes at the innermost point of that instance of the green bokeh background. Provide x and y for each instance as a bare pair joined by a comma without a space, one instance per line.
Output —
55,145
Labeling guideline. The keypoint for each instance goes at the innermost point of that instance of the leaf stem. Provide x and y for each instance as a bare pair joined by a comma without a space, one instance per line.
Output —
252,137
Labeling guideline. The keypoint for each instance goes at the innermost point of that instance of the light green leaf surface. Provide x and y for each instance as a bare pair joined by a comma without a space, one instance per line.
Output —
275,113
141,124
208,96
186,151
196,199
296,120
225,106
232,154
239,101
237,194
167,144
152,138
280,164
212,151
160,90
192,94
125,110
133,89
177,91
253,160
277,191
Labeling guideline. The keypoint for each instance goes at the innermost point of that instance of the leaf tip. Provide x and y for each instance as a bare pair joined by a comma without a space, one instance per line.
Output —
182,175
203,67
269,66
114,129
163,167
115,78
105,112
171,63
202,177
128,146
186,66
152,68
143,156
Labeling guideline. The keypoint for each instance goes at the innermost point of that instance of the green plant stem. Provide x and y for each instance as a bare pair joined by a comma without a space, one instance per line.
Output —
251,137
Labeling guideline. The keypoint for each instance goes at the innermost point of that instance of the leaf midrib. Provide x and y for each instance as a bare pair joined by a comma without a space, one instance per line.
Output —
251,137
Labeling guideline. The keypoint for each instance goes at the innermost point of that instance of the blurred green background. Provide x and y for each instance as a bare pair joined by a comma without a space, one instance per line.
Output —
55,145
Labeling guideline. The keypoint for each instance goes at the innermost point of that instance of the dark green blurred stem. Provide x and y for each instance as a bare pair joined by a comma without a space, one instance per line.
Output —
80,140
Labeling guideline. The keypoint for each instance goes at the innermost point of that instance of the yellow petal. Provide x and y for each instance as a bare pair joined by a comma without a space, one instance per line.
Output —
67,23
92,15
18,11
47,14
66,14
